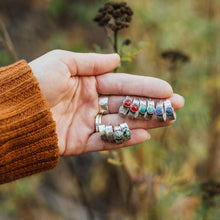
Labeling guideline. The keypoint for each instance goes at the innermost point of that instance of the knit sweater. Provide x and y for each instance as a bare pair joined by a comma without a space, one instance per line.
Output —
28,140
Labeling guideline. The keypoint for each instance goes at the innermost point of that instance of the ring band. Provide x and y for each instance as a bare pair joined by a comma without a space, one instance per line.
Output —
126,131
102,131
124,108
103,105
150,109
142,108
133,111
109,133
118,135
161,115
169,110
98,121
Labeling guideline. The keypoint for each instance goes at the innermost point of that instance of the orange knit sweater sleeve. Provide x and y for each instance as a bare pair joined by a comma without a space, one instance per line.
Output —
28,140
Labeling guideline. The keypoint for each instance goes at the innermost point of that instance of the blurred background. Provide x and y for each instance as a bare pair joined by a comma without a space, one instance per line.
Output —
175,175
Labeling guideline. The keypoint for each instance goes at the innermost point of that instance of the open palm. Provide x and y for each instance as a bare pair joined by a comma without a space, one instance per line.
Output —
71,84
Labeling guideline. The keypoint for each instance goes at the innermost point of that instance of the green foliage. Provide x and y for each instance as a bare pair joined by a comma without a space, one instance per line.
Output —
4,58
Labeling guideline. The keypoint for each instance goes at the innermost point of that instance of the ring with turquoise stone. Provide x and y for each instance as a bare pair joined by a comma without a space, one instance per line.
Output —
160,113
126,131
150,109
142,108
118,135
169,110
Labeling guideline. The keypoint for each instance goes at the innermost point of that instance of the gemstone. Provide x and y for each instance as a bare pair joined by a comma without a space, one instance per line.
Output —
127,133
127,102
159,111
150,109
134,108
118,135
143,109
169,110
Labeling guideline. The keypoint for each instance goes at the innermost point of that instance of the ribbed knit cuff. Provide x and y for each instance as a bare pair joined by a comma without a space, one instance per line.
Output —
28,139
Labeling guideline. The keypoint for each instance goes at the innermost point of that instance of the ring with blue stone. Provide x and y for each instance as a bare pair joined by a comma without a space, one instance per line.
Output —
126,131
169,110
150,109
160,113
118,135
142,108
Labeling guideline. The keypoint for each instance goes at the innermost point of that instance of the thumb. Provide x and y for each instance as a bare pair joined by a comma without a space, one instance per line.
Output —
88,64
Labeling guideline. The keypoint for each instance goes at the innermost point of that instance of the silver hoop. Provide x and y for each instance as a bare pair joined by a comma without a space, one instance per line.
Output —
102,131
103,105
98,121
109,133
161,115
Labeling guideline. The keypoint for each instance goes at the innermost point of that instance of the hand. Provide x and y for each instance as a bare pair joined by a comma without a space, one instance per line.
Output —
71,83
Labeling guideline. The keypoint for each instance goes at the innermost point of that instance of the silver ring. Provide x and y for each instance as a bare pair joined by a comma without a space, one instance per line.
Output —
142,108
103,105
133,110
109,133
102,131
169,110
161,115
124,108
98,121
118,135
126,131
150,109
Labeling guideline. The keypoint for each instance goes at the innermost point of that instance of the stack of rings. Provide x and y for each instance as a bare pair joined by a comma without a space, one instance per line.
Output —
144,109
133,108
117,134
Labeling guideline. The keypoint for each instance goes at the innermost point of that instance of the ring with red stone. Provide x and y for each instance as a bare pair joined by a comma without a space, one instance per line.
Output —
124,108
98,121
150,109
133,110
103,105
161,115
142,108
109,133
169,110
102,131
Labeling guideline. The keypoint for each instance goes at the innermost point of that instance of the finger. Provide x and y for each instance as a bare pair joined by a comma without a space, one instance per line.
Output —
115,102
87,64
127,84
96,144
116,119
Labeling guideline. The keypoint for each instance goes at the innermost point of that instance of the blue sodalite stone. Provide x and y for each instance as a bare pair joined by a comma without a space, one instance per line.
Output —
169,110
159,111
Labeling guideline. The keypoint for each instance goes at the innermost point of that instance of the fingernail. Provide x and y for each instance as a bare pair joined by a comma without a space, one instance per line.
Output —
149,137
183,100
